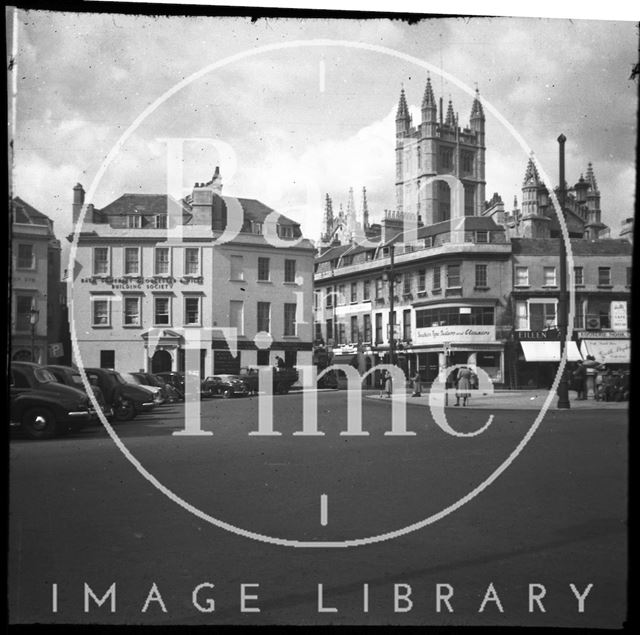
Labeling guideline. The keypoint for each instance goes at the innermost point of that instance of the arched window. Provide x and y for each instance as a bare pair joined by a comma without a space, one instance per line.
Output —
444,202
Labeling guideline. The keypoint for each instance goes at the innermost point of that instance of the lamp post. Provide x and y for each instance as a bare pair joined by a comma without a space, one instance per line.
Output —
391,279
34,315
563,387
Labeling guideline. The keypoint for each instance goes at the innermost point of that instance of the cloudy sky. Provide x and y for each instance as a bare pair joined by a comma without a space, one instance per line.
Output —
291,123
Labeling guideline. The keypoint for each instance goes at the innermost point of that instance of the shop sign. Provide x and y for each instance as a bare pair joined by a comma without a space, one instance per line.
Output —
455,334
129,283
549,334
603,335
619,315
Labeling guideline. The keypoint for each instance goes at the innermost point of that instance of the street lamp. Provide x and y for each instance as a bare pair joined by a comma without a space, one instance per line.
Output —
563,387
34,315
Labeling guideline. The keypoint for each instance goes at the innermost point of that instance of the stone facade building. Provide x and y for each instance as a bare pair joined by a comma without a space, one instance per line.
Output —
155,276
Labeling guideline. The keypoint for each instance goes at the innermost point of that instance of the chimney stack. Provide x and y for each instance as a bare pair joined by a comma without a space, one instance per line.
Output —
78,202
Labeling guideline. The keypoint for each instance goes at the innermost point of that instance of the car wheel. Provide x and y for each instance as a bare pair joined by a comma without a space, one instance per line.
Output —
227,393
124,410
40,423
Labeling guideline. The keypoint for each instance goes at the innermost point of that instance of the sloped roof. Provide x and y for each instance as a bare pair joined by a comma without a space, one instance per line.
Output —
25,213
579,247
257,211
152,204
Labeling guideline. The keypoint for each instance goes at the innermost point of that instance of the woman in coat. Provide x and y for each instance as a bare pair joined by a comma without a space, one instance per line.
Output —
463,385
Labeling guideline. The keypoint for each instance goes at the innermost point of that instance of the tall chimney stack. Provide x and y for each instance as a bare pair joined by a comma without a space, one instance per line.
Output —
78,202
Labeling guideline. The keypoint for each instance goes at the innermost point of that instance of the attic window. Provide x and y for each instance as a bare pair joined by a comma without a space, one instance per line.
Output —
134,221
161,221
286,231
257,228
482,237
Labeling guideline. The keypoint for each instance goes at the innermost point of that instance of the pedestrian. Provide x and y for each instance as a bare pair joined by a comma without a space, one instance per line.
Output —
279,362
463,385
383,375
387,385
416,384
580,380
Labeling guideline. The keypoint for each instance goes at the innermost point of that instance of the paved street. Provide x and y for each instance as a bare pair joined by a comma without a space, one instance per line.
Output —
81,513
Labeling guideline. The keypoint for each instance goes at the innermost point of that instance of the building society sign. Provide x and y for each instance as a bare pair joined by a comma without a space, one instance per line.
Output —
465,334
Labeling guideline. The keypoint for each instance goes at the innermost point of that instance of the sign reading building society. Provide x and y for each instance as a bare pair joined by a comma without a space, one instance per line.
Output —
456,333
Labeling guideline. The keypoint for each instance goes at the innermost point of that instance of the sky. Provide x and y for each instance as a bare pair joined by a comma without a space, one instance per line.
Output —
289,124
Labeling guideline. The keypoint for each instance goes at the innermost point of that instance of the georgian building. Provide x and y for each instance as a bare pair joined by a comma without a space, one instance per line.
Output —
155,275
36,300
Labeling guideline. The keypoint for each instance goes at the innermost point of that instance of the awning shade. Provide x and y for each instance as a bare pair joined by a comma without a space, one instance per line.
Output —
549,351
344,359
608,351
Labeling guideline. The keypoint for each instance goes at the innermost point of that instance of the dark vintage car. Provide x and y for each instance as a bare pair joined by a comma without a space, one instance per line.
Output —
70,376
42,406
174,379
224,385
169,394
283,378
173,393
127,400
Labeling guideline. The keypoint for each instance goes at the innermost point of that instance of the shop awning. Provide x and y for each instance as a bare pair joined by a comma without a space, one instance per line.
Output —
549,351
349,358
608,351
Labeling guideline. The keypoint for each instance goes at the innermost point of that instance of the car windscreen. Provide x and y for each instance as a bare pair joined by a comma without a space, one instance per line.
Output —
44,376
118,377
77,379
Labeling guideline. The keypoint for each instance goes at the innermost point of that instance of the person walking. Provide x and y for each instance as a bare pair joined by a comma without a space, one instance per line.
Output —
416,384
387,385
383,376
463,385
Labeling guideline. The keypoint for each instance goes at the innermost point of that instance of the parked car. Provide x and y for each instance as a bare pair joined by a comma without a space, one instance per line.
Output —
147,379
283,378
42,406
154,391
174,379
127,400
71,377
329,380
225,385
172,394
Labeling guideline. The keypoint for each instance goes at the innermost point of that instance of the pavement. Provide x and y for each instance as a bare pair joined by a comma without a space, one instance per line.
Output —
511,400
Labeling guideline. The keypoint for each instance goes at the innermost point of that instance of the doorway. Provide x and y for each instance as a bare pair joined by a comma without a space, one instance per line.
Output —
161,362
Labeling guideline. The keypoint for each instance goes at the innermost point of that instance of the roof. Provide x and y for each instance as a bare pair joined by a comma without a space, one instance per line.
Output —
579,247
148,204
25,213
257,211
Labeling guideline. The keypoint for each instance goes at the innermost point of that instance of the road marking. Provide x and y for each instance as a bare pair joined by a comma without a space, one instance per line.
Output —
323,510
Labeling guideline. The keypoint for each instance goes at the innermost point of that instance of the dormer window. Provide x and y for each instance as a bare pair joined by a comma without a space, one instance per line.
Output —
134,221
286,231
257,228
161,221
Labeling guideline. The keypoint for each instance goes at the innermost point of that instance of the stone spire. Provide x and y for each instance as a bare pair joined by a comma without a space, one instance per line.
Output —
328,219
403,118
591,178
351,215
450,118
477,111
365,210
531,176
428,100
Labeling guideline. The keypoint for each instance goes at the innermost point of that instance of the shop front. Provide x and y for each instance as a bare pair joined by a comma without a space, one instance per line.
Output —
612,348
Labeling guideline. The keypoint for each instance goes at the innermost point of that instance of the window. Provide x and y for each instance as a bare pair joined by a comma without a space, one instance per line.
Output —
161,311
419,152
542,315
107,359
354,329
378,328
578,275
406,284
436,278
467,162
236,316
101,312
354,292
131,261
192,311
101,263
290,320
629,274
134,221
23,312
264,316
329,330
446,158
329,297
263,357
341,333
482,237
453,276
604,276
422,279
378,288
26,257
285,231
342,295
192,261
605,322
367,327
237,268
289,270
454,316
522,276
131,308
257,228
161,221
549,276
162,266
481,275
406,324
522,316
366,290
263,269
